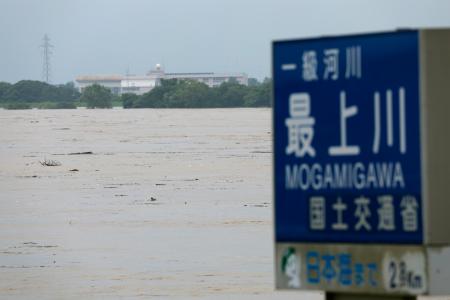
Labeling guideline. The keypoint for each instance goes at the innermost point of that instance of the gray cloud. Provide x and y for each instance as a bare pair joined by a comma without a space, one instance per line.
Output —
109,36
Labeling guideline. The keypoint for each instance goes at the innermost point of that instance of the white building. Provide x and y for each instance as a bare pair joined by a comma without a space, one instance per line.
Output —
143,84
137,84
210,79
113,82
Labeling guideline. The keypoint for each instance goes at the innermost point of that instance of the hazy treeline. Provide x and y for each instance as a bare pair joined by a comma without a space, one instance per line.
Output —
28,93
171,93
175,93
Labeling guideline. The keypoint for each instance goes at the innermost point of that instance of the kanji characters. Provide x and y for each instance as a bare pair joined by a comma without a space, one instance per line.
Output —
345,112
309,66
331,61
339,207
389,120
300,126
386,214
410,218
362,213
317,213
353,67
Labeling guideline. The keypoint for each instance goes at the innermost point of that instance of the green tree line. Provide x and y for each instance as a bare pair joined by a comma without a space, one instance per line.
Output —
171,93
175,93
28,93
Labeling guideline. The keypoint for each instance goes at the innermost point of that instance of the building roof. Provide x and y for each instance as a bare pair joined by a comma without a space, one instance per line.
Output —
212,75
190,73
162,75
100,78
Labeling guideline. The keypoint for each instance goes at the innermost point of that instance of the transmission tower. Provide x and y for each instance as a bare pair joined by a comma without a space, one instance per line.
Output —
46,46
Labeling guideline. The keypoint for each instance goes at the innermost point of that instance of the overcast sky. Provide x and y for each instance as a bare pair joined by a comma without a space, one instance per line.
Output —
111,36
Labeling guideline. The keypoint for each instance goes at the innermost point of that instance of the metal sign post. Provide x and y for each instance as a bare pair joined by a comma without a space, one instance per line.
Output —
361,164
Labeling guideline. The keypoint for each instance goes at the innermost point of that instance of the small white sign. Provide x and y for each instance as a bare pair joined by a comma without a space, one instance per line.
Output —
405,272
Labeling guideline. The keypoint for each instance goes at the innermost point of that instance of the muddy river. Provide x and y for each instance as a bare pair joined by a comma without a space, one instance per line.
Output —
127,204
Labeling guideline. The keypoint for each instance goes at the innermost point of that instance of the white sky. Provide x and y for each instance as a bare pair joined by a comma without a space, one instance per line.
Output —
109,36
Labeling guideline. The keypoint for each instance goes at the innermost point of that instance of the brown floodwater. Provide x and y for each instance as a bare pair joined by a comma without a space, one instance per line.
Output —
173,204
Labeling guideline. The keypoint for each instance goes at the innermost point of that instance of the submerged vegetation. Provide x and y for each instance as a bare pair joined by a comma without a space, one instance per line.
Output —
171,93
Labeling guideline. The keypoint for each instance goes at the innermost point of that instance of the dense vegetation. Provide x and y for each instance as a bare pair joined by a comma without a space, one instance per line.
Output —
97,96
169,94
192,94
30,93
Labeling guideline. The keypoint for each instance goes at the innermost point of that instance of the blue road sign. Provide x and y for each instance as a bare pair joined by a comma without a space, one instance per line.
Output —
347,139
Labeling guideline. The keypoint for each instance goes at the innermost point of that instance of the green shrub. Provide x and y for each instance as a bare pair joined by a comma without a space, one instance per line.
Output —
18,105
97,96
57,105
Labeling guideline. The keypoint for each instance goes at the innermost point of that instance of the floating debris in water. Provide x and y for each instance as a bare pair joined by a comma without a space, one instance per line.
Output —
50,163
81,153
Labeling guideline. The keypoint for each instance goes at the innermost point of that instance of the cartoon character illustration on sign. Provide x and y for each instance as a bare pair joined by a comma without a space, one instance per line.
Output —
291,267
